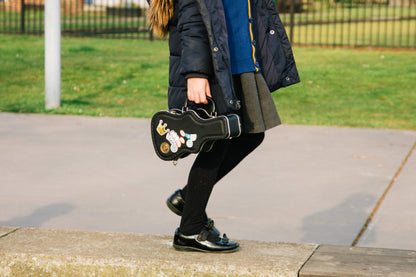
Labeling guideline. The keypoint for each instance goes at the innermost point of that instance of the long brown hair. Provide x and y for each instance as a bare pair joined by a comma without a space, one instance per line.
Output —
159,14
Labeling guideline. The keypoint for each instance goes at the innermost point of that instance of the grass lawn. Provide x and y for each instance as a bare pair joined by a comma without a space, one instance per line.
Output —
128,78
352,88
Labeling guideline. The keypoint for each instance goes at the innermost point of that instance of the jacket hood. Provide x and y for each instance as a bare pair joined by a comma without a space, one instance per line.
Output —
159,14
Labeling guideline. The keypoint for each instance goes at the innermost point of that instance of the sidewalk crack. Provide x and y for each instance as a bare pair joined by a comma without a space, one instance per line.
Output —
307,260
10,232
383,196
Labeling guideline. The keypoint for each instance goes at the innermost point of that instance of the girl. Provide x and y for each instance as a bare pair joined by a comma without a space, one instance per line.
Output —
237,52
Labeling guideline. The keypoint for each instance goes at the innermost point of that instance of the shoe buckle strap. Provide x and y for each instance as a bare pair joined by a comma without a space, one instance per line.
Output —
225,239
203,235
210,224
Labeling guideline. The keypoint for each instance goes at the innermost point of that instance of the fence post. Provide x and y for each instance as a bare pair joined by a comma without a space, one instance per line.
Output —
22,16
52,54
150,34
292,19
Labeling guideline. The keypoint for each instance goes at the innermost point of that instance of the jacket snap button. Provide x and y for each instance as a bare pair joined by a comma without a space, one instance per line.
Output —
215,49
272,32
231,102
287,78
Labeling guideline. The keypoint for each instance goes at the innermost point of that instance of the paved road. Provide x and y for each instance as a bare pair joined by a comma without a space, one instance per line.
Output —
304,184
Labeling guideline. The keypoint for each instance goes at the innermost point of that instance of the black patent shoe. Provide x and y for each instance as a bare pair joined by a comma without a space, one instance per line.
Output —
200,242
176,202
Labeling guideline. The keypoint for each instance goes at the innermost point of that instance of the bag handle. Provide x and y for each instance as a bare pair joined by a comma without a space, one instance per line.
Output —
210,102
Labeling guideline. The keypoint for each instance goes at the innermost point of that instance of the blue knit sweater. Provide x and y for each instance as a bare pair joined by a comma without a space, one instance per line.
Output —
240,36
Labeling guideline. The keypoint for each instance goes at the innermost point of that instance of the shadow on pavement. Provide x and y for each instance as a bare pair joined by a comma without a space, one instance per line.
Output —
40,215
340,221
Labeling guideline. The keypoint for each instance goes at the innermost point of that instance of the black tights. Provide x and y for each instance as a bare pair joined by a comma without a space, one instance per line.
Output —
207,170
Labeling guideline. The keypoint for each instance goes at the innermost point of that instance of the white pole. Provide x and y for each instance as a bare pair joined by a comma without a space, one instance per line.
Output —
52,54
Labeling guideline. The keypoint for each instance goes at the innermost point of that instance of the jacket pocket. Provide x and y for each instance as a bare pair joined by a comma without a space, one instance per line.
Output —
272,57
275,48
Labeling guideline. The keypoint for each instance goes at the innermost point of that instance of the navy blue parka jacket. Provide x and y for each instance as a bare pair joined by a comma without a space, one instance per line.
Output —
198,45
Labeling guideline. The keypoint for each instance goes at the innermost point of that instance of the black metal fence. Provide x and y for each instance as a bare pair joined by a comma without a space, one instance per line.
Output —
333,23
352,23
104,18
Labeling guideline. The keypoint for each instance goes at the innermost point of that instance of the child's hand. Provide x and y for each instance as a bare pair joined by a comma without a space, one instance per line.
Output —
198,90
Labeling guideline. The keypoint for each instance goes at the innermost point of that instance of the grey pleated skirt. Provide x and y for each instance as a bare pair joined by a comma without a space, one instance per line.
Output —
258,112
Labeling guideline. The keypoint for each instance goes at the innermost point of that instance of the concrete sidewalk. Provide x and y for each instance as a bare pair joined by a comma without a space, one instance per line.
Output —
47,252
305,184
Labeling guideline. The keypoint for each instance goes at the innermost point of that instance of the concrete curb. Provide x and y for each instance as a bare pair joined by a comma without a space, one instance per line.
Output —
46,252
343,261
